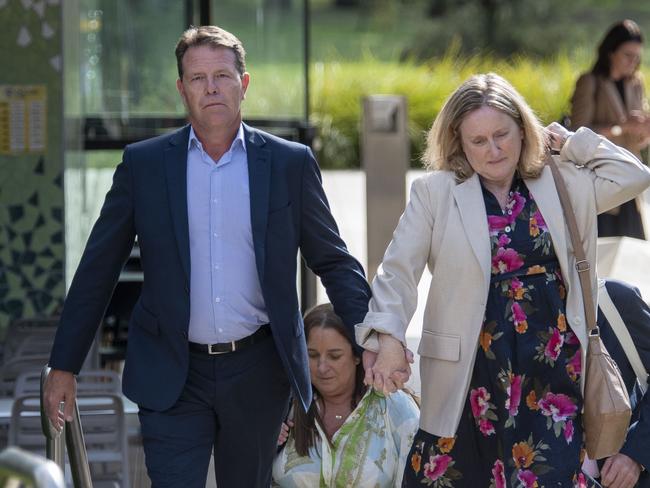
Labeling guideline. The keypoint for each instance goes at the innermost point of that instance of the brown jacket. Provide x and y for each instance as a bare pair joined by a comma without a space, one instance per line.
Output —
596,104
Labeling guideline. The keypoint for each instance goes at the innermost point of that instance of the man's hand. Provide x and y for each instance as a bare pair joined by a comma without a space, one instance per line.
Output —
620,471
284,432
60,386
391,368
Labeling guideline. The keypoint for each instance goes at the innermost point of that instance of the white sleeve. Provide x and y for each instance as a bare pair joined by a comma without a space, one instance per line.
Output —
394,289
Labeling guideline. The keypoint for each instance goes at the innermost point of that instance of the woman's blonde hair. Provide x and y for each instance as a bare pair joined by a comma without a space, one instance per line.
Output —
444,149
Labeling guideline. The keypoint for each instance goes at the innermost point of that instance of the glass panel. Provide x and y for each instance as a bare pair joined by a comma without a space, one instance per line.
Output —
127,56
272,34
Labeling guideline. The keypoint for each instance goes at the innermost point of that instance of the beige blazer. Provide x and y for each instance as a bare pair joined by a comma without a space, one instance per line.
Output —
445,228
597,104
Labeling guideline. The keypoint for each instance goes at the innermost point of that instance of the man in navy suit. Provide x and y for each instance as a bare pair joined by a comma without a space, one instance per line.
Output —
627,468
216,341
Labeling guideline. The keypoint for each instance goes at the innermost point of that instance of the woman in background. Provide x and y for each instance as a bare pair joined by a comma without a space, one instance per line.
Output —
351,435
610,100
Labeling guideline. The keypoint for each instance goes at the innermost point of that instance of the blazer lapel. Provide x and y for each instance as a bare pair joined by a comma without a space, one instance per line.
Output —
175,157
469,197
259,182
545,194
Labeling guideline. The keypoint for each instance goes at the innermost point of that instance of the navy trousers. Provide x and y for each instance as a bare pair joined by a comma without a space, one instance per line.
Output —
232,404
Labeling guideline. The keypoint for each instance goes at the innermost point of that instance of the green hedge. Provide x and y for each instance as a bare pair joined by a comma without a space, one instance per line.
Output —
338,88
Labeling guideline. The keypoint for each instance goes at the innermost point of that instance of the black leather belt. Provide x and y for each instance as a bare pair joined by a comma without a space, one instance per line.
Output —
226,347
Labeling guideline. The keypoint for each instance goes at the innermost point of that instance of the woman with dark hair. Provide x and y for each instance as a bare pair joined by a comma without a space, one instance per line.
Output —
610,100
351,435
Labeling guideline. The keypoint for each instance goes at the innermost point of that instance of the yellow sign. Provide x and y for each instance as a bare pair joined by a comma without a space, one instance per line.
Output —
23,119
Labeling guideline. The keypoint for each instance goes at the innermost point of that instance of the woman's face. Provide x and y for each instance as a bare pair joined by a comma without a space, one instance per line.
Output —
331,362
625,60
492,141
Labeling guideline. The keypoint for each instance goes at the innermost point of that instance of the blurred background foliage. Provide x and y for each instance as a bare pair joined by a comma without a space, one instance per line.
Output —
424,48
418,48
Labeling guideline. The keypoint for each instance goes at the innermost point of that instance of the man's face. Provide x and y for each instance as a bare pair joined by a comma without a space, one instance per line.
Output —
211,87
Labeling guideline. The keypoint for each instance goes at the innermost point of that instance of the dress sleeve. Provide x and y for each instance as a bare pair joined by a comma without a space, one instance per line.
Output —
394,289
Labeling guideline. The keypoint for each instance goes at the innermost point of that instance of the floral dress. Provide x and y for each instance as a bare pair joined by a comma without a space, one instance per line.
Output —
521,426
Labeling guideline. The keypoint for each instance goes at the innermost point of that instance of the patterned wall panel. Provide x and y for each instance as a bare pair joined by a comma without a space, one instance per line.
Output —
31,168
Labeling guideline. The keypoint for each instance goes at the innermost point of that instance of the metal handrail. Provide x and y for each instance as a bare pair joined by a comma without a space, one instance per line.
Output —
17,465
74,441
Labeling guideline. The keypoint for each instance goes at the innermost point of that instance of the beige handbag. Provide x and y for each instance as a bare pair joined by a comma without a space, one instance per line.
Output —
606,413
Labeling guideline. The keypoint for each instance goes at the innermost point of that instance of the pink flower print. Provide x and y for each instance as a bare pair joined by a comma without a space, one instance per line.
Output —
554,345
436,466
519,318
568,431
499,474
479,400
580,481
506,260
504,240
574,366
496,223
527,478
516,289
559,406
515,205
541,223
571,339
486,427
514,395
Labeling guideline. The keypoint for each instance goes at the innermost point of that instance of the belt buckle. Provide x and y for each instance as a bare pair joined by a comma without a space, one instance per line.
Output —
214,353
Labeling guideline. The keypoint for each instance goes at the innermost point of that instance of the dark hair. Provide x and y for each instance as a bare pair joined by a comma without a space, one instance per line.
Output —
213,36
619,33
304,429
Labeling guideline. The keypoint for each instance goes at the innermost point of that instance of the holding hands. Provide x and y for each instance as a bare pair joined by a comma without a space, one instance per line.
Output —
387,370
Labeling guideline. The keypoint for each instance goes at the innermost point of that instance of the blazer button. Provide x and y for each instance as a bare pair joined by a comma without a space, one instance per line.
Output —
184,334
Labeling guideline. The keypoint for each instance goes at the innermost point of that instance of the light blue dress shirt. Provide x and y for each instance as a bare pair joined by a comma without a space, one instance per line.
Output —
226,300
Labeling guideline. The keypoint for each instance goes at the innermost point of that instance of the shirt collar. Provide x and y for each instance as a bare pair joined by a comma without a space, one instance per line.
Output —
238,141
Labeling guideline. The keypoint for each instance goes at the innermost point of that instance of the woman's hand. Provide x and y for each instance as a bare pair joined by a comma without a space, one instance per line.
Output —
620,471
556,136
284,432
391,368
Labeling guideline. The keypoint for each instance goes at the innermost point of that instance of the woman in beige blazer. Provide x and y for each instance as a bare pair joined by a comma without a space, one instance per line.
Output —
504,332
610,100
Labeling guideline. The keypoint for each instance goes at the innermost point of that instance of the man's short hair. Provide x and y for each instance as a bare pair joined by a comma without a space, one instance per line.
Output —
210,35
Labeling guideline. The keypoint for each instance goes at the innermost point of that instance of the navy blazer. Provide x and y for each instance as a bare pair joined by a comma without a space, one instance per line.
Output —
636,316
148,199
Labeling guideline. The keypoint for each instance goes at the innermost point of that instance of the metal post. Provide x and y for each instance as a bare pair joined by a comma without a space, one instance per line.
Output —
385,156
74,440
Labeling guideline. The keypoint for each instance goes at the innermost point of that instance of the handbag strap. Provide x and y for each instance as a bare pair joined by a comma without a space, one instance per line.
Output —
582,265
623,335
